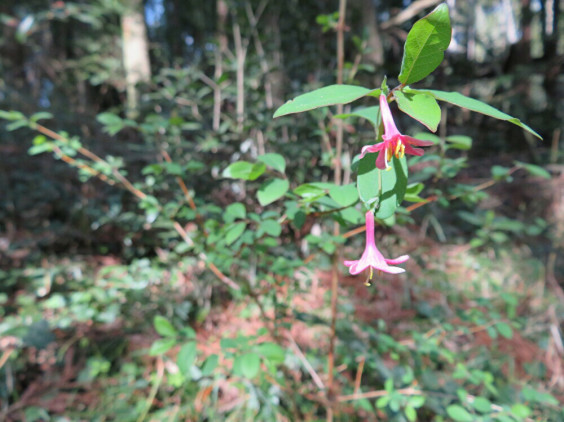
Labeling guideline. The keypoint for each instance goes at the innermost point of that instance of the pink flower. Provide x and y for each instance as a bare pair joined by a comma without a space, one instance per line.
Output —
393,141
372,257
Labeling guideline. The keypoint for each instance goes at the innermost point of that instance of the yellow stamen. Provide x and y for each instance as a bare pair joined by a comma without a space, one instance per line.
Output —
400,150
389,153
369,279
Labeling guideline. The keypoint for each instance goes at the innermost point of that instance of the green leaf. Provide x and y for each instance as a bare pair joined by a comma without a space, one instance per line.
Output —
271,190
382,402
534,170
482,405
164,327
272,352
12,115
386,187
210,364
234,211
504,329
422,107
478,106
270,227
344,195
520,410
42,115
18,124
161,346
40,145
109,119
322,97
459,414
459,142
425,45
244,170
186,357
234,232
309,192
369,113
412,193
248,364
410,413
276,161
416,401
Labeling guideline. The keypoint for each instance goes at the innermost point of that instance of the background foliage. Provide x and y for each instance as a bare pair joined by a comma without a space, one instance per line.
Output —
201,290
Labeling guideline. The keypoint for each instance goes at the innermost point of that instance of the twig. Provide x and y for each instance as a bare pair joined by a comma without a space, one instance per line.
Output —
409,12
181,183
154,389
378,393
316,379
358,377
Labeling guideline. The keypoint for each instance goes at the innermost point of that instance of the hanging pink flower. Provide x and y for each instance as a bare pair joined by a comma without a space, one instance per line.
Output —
372,257
394,143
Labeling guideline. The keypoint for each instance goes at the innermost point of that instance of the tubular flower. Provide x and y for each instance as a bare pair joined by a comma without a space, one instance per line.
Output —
394,143
372,257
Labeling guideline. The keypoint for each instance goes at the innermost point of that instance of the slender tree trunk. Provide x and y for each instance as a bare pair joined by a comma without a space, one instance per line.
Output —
376,53
222,11
135,53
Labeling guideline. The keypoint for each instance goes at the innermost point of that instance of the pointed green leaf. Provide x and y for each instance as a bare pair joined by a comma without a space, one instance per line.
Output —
425,45
422,107
386,187
186,357
272,190
244,170
504,329
276,161
322,97
161,346
234,232
459,414
482,405
475,105
534,170
164,327
369,113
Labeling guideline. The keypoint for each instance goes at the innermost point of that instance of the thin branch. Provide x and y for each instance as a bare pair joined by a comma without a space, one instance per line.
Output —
316,378
409,12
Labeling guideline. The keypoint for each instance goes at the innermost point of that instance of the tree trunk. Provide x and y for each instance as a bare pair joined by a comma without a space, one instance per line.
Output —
376,53
135,54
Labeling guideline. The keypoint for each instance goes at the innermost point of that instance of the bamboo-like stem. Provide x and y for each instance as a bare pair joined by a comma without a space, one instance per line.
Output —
240,54
336,229
218,72
253,21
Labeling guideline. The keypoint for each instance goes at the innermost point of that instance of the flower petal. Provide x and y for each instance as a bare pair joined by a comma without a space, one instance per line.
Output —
371,148
381,160
413,151
417,142
391,270
399,260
